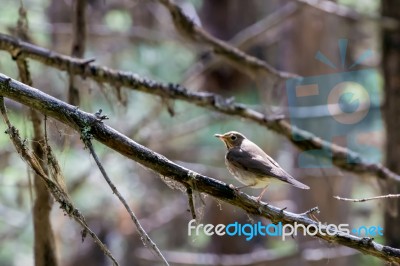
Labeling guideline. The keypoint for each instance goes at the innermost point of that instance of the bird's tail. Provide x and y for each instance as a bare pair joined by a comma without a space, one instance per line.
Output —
298,184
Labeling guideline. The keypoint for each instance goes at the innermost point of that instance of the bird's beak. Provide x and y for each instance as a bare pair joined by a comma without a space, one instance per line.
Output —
223,139
219,136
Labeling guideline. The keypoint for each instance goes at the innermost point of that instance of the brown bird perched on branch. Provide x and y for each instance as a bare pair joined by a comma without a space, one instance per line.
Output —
249,164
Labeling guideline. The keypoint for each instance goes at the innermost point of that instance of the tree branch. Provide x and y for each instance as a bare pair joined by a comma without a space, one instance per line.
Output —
245,38
340,156
86,138
253,66
249,36
82,121
388,196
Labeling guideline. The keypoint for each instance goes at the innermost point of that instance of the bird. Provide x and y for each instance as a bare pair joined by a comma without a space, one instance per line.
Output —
251,166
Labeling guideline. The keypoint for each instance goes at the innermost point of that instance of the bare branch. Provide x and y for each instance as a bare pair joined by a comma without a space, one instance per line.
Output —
248,37
190,30
82,121
189,192
245,37
86,138
389,196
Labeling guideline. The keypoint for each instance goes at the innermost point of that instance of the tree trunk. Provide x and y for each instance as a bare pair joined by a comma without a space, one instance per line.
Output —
391,70
45,247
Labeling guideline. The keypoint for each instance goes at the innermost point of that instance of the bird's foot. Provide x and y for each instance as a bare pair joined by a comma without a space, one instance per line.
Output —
310,213
258,199
261,206
234,188
281,211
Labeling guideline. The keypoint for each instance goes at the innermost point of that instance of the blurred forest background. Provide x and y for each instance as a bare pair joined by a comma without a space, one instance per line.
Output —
139,36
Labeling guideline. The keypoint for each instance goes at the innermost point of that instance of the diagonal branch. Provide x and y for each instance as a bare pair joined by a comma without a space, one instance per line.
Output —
143,235
249,36
245,38
340,156
190,30
82,121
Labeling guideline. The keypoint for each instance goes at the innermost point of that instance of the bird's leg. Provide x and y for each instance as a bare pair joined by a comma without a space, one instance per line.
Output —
237,188
245,186
262,193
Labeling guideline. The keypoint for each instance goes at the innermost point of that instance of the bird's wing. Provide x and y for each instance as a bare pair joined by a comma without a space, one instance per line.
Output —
254,164
261,165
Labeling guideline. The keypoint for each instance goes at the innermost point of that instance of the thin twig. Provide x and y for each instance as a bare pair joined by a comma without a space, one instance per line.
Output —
143,235
78,119
245,38
189,192
388,196
310,213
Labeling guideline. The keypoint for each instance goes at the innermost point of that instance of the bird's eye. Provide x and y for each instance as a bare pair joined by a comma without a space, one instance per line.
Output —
233,137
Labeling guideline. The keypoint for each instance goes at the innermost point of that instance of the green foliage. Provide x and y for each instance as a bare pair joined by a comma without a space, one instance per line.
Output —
118,20
165,62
